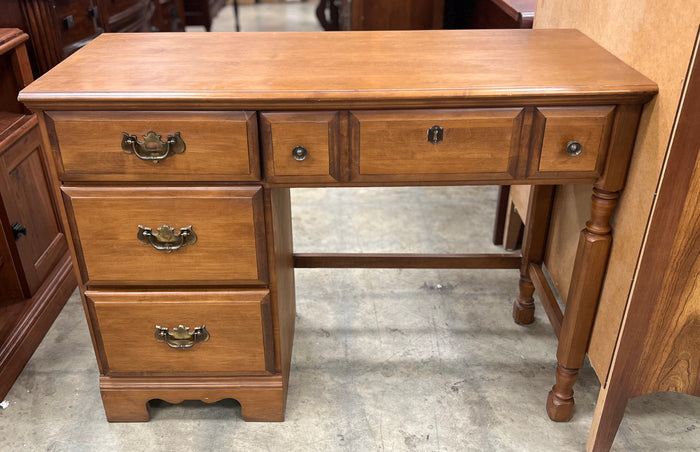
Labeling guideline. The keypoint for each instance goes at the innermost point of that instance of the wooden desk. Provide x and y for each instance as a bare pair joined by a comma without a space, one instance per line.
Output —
259,113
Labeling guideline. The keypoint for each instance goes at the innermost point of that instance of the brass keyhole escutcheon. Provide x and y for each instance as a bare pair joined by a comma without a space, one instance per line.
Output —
435,134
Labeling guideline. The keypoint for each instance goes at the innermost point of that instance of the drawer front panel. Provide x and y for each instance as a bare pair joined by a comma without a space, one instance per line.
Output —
555,127
467,142
218,145
238,325
318,133
227,221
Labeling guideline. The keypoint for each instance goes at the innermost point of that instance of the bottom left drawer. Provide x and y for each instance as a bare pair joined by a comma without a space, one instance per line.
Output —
174,333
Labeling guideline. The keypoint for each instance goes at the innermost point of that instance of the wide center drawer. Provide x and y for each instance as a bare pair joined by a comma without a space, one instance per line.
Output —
234,337
225,243
440,144
205,146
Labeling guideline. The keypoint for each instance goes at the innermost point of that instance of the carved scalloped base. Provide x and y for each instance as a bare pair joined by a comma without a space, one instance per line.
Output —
126,399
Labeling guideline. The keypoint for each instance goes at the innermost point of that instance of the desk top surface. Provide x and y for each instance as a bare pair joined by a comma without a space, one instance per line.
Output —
337,69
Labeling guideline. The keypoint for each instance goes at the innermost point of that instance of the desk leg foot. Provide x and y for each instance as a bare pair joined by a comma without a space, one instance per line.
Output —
123,406
524,305
262,406
560,402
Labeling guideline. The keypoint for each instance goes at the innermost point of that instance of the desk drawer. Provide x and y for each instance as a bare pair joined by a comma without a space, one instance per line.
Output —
226,244
238,325
300,146
555,128
435,144
217,146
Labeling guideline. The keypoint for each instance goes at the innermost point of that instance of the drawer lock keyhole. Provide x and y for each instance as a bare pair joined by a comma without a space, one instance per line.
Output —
435,134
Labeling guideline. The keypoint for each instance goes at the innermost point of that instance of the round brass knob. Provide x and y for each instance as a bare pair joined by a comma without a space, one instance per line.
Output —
299,153
574,148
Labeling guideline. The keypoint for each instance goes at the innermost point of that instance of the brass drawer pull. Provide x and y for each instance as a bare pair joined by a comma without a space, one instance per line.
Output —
299,153
181,337
152,148
435,134
167,239
574,148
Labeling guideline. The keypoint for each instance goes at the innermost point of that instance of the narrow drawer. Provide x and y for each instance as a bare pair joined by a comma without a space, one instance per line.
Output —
573,140
238,325
214,145
226,244
435,144
300,146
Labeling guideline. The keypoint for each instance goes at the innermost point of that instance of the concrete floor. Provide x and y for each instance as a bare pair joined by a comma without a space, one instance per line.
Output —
426,360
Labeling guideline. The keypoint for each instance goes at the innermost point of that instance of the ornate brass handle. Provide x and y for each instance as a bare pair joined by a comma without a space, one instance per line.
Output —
166,239
152,148
181,337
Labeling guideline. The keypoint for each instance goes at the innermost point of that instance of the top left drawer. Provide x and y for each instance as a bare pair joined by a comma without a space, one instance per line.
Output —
118,146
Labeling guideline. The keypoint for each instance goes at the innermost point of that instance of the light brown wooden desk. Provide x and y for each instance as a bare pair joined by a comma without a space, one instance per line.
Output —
259,113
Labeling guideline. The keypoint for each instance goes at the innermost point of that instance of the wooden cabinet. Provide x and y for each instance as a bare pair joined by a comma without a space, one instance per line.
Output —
202,12
29,208
57,28
368,115
391,14
35,272
169,15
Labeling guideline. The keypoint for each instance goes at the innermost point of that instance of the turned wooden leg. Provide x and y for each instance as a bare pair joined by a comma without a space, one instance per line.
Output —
534,242
524,305
589,269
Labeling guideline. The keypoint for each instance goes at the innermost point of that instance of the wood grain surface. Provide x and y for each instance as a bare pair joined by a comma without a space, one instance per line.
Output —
230,245
589,126
240,340
658,347
218,145
396,143
318,132
282,70
633,40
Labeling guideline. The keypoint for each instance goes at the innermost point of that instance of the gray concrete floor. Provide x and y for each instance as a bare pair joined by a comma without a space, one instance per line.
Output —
384,360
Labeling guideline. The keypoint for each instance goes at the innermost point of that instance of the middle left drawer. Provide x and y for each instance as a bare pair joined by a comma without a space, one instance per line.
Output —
168,235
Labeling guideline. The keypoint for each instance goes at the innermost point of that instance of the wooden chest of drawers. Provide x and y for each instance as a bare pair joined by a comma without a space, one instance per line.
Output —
175,184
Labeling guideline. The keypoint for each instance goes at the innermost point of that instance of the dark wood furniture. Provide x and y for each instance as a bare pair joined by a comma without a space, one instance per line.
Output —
57,28
501,14
380,14
36,277
169,15
202,12
658,345
230,143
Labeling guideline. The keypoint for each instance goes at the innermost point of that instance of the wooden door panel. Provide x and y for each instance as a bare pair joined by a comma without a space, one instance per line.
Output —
28,201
